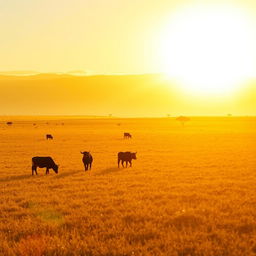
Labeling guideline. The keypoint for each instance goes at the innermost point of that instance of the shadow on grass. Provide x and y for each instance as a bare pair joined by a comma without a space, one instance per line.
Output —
109,171
65,174
14,178
27,176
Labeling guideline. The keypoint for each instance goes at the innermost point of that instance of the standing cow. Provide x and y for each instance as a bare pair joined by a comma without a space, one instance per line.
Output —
49,137
87,160
127,135
43,162
126,157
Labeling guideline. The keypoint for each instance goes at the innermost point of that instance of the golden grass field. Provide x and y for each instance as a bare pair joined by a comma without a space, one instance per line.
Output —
192,190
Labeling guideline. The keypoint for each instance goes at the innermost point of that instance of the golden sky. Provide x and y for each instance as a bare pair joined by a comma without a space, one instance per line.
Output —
204,49
100,36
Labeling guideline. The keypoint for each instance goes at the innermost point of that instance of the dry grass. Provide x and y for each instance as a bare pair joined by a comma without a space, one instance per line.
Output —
191,191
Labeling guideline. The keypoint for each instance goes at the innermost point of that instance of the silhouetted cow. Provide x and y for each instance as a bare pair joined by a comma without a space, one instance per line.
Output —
126,157
87,160
49,137
127,135
43,162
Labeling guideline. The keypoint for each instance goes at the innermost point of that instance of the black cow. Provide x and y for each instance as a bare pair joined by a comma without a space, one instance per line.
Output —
49,137
126,157
127,135
43,162
87,160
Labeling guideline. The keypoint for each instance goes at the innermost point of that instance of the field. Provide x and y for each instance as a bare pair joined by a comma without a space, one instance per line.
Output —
190,192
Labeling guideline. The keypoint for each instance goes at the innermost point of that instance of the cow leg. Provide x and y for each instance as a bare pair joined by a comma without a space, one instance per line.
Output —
126,163
123,163
130,163
34,170
90,166
47,171
119,162
86,167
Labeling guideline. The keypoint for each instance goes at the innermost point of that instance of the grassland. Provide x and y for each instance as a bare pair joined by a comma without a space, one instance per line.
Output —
190,192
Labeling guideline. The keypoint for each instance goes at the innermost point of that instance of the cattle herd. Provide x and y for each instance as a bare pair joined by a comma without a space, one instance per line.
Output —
48,163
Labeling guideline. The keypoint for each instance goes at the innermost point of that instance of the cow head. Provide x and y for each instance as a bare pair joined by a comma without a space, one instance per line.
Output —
85,153
134,155
55,168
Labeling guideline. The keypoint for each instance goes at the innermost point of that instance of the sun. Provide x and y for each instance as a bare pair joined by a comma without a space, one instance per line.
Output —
209,49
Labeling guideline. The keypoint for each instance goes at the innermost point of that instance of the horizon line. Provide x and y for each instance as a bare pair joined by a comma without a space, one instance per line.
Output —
113,117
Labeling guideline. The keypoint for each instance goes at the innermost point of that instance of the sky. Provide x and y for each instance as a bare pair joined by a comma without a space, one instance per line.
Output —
98,36
203,49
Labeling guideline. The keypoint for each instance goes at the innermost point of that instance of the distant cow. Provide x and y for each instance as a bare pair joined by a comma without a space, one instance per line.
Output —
127,135
43,162
9,123
87,160
49,137
126,157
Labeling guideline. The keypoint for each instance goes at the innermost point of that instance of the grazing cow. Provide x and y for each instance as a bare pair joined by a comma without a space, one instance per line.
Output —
126,157
49,137
43,162
87,160
127,135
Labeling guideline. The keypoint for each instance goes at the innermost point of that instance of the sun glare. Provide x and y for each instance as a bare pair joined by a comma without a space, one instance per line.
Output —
209,49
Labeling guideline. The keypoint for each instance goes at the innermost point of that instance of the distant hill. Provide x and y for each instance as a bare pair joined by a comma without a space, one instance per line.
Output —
18,73
120,95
